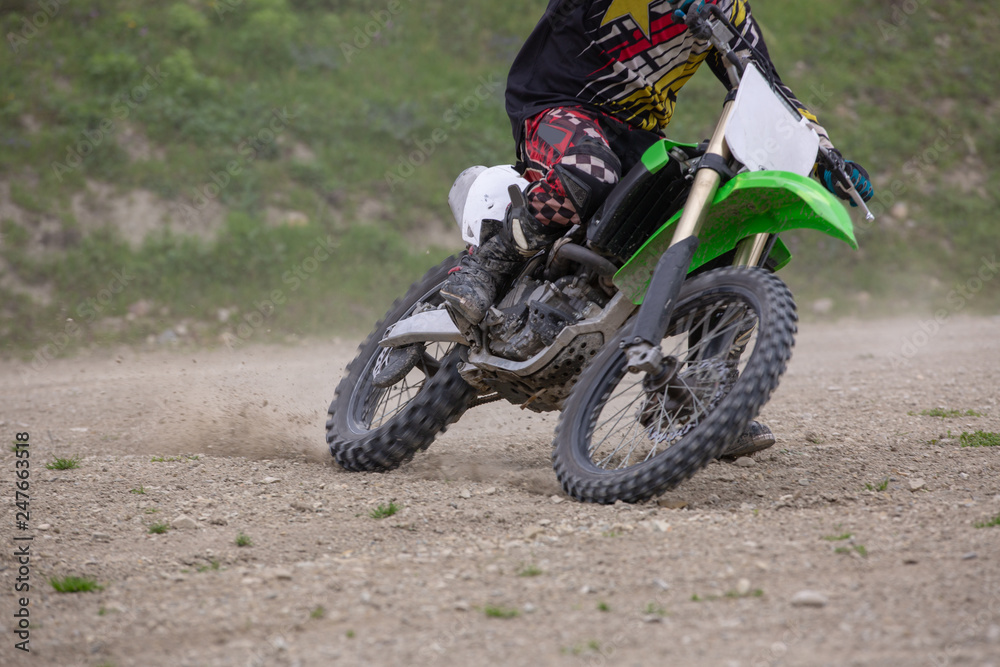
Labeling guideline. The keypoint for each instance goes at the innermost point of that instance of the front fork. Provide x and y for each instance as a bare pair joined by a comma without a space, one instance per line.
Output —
642,346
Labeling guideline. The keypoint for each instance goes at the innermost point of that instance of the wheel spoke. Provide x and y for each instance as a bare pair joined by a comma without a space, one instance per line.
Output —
636,425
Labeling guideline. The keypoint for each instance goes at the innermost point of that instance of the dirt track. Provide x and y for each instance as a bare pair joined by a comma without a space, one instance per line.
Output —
484,527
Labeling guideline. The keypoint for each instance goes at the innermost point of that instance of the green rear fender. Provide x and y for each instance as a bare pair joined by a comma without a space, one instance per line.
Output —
752,203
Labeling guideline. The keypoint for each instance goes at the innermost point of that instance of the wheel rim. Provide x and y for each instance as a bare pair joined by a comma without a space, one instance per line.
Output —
712,338
371,407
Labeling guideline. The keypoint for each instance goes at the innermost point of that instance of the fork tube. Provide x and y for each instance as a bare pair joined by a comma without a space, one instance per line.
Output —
706,183
750,249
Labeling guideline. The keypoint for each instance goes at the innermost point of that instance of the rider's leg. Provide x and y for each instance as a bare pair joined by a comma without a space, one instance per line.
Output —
571,168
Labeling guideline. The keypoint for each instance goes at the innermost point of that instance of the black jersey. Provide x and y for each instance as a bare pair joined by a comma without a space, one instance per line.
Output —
624,58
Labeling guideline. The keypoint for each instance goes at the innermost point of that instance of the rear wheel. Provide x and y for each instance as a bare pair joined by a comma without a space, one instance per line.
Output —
625,436
393,402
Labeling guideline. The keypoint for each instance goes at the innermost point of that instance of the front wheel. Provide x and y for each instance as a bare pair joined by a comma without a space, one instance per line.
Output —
630,437
393,402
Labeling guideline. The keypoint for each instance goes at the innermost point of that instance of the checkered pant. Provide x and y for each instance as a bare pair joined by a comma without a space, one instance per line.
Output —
562,136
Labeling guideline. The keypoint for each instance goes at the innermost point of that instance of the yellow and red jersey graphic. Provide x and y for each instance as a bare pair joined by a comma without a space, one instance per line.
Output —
625,58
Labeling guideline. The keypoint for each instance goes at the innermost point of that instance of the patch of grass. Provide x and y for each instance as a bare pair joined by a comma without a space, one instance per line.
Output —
858,548
612,533
317,613
350,634
529,571
63,464
243,540
152,510
159,528
945,414
838,538
980,439
603,606
74,585
212,565
654,609
881,486
384,511
579,649
755,593
164,459
492,611
995,521
140,491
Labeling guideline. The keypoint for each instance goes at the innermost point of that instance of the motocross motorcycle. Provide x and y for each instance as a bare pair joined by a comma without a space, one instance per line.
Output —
657,327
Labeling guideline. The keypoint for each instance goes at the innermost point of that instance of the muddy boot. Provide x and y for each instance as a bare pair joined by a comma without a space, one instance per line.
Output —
470,291
754,439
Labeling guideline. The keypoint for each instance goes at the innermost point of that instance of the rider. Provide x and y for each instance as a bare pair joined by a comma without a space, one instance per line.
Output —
592,88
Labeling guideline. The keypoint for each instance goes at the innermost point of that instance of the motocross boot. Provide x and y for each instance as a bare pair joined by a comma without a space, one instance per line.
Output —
754,439
471,290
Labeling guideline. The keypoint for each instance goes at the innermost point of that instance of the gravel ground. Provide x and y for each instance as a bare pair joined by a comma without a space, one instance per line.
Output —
853,541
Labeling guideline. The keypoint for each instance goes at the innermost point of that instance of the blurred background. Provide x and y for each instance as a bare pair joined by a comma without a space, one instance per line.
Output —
226,171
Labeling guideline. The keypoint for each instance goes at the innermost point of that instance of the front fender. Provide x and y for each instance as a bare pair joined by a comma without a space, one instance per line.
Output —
752,203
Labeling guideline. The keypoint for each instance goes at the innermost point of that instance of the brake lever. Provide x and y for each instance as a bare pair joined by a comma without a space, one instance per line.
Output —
836,163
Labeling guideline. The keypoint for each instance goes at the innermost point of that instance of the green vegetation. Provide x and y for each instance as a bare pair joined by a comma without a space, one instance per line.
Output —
755,593
837,538
317,613
63,464
980,439
243,540
653,609
946,414
350,634
141,490
384,511
603,606
591,646
529,571
995,521
500,612
74,585
213,565
159,528
859,548
296,155
881,486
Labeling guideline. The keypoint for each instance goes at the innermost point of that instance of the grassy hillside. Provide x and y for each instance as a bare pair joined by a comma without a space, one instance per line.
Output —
268,132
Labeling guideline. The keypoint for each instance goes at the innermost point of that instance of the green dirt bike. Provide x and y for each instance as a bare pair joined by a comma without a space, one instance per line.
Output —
658,328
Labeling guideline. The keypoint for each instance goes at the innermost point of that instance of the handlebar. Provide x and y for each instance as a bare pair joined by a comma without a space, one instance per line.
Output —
695,14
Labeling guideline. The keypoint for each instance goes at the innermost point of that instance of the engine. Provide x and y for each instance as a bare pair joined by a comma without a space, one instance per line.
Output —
534,312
